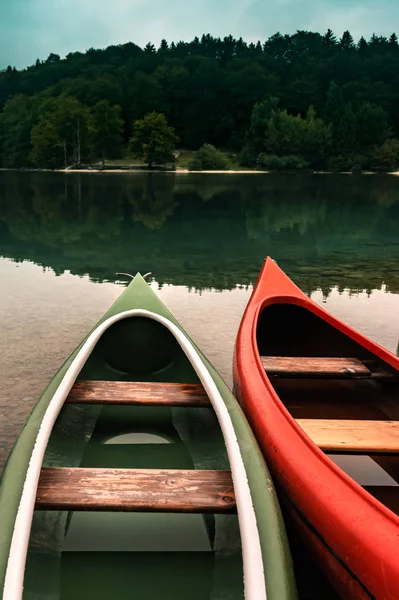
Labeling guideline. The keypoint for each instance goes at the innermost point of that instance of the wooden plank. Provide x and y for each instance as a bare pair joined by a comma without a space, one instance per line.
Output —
322,367
387,494
353,436
138,394
136,490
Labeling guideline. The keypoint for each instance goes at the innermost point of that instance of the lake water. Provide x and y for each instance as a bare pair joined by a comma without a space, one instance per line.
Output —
63,238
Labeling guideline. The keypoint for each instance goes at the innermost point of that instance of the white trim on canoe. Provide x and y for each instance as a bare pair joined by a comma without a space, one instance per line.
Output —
254,577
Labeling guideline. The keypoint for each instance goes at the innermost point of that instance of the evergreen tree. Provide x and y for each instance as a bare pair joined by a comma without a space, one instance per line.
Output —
362,45
329,38
346,42
150,48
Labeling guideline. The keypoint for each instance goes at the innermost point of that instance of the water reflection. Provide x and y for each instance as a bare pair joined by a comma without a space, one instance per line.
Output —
62,234
206,231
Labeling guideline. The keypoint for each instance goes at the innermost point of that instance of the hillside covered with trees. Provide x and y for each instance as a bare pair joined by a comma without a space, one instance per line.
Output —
302,100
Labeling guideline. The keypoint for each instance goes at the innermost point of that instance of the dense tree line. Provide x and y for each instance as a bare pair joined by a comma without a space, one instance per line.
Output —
302,99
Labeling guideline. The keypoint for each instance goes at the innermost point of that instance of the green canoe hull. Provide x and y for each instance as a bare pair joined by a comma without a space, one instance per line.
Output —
143,556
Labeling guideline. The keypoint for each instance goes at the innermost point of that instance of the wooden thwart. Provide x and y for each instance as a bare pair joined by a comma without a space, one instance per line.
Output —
139,394
299,366
136,490
353,436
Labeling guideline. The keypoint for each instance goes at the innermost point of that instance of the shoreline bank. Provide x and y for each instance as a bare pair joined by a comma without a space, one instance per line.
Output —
187,172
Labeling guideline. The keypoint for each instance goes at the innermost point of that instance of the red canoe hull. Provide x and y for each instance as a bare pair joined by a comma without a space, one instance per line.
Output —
354,537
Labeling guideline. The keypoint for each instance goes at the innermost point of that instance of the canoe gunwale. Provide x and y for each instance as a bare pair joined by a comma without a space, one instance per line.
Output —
254,571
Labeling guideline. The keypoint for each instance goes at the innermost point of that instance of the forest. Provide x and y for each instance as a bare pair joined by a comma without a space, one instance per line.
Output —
306,100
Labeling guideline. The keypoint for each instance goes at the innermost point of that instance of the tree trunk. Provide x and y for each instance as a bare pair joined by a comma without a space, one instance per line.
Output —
65,155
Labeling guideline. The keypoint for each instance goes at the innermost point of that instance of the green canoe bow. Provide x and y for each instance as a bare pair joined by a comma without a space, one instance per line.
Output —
79,555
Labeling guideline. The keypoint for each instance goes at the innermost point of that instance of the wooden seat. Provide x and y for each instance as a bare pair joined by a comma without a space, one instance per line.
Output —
141,394
363,437
136,490
314,367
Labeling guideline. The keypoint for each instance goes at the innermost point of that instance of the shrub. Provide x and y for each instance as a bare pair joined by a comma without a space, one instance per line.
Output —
386,157
208,158
268,161
360,161
294,162
247,157
340,163
278,163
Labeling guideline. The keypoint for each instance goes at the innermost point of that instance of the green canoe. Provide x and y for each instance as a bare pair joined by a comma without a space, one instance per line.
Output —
137,476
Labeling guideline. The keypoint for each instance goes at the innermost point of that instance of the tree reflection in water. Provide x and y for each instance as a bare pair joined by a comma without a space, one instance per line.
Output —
206,230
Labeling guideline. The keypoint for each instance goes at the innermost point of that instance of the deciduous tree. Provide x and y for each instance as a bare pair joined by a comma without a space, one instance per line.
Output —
153,141
105,130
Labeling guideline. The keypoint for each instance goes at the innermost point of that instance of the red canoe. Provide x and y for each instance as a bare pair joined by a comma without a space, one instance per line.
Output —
319,395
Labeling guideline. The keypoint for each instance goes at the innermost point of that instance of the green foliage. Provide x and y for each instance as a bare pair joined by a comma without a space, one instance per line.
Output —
208,158
334,103
339,116
47,147
247,156
340,163
316,139
16,122
153,141
278,163
260,117
386,157
343,132
62,124
222,91
284,134
278,134
372,127
105,130
346,42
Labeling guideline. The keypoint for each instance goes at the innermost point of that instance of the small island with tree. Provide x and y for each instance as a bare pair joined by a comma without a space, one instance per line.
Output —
302,101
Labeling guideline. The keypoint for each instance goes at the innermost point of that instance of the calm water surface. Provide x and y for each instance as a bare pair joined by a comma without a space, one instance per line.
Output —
63,237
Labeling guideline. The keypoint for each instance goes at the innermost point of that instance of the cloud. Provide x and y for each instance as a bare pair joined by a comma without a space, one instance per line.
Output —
31,29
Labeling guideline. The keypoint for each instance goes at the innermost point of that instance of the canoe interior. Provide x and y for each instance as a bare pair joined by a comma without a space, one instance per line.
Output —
320,402
125,555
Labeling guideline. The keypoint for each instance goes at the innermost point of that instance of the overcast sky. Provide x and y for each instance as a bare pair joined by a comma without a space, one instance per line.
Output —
31,29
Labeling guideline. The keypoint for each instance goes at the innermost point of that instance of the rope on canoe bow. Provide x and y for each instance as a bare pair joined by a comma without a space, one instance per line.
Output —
254,576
